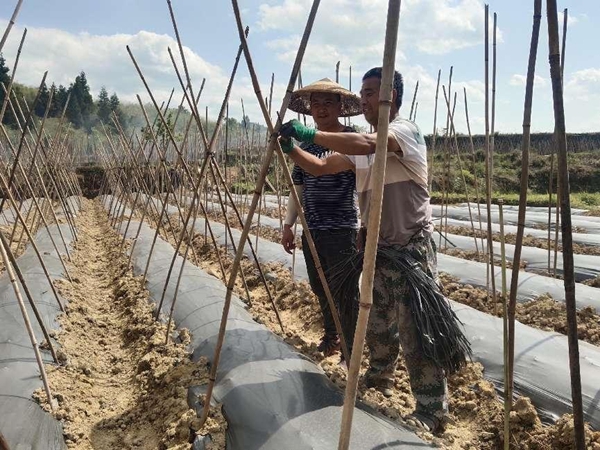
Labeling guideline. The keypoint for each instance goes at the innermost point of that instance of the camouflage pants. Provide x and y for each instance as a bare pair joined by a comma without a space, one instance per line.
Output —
391,325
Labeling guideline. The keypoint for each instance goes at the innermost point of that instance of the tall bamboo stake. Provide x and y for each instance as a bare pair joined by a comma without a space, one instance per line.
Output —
434,133
274,143
378,175
11,22
514,283
507,390
412,105
488,164
12,77
472,145
562,71
4,250
210,155
464,180
567,237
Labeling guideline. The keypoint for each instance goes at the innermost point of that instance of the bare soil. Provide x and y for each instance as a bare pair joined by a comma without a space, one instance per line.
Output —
528,241
120,386
543,313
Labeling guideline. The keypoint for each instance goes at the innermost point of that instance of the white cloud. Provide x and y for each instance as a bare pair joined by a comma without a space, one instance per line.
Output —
352,30
521,80
106,63
583,86
571,19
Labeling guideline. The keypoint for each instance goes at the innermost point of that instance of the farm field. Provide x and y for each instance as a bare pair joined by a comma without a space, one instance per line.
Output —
151,296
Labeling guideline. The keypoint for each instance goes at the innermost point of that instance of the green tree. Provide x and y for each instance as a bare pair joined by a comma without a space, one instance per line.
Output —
115,108
40,106
81,105
58,101
103,106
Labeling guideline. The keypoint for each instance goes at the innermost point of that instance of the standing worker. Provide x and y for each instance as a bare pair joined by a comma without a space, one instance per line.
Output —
408,307
330,207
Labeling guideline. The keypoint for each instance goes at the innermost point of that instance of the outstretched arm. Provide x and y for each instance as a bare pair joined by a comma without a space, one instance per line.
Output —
345,143
316,166
352,143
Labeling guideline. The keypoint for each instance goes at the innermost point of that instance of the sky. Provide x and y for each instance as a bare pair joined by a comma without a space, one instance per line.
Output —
65,37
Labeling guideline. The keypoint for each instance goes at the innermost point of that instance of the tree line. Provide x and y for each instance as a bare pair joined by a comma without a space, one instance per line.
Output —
82,111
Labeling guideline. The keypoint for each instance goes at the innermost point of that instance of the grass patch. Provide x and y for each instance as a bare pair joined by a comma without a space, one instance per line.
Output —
583,200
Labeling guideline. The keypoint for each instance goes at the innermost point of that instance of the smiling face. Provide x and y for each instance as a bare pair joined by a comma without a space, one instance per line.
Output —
369,99
325,109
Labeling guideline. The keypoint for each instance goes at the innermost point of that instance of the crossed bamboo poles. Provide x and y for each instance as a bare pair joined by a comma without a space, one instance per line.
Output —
21,178
63,182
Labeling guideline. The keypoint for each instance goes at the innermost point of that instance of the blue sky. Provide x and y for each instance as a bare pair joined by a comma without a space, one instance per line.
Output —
65,37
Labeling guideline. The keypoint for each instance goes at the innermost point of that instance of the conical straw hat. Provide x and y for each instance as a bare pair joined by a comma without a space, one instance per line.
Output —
300,101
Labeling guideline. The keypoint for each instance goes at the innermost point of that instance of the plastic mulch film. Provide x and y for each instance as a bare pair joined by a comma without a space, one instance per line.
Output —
271,395
22,421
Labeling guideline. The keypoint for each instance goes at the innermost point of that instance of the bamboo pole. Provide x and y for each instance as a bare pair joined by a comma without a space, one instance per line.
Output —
412,105
460,167
514,284
434,133
567,238
11,22
562,71
260,182
5,251
209,154
507,390
488,164
472,145
12,77
22,139
378,176
34,165
446,170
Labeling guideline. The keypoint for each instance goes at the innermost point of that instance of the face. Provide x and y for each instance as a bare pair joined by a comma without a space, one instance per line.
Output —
325,108
369,99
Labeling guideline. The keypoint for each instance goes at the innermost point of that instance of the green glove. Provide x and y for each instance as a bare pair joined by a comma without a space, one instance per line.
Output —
287,145
295,129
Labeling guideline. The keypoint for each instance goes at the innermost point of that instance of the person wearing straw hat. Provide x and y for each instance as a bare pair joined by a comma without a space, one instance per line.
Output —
408,307
330,207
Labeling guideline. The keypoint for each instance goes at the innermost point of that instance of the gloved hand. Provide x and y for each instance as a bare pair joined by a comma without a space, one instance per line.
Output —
295,129
287,145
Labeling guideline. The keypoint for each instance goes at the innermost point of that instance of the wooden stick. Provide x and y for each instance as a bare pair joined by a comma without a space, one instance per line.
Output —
434,133
274,143
562,71
472,145
378,176
10,24
514,284
488,164
507,389
12,77
412,105
567,237
209,153
453,133
5,251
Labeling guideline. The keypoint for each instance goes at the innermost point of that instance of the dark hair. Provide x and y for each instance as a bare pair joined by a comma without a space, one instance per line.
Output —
398,84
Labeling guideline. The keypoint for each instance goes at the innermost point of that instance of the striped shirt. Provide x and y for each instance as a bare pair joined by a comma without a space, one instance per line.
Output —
329,201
